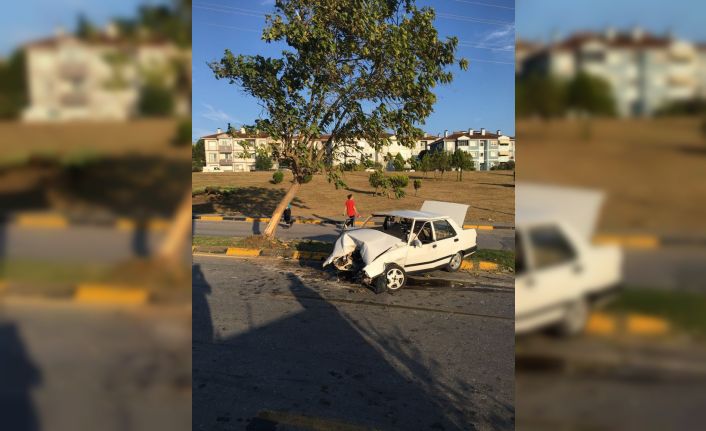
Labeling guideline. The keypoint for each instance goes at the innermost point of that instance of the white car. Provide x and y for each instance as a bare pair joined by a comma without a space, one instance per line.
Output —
559,273
406,242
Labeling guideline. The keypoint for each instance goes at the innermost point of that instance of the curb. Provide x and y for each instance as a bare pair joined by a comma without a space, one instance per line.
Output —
99,294
49,220
604,324
310,256
220,217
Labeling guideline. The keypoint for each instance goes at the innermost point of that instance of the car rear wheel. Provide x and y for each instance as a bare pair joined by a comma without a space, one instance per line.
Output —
455,262
392,279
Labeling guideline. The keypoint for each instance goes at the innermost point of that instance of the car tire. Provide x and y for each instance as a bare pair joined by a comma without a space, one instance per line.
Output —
392,279
455,262
575,319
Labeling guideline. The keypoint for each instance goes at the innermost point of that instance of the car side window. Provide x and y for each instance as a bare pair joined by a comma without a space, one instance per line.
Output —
443,230
423,232
550,247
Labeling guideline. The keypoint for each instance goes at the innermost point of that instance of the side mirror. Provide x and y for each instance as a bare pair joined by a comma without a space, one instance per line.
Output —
416,243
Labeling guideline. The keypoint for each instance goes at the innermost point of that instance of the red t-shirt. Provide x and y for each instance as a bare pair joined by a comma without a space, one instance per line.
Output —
350,207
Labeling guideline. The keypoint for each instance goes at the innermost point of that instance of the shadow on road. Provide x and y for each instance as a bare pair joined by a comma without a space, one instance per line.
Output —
313,363
18,375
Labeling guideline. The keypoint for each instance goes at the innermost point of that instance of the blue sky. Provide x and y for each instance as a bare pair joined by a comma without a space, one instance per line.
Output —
483,96
539,19
22,21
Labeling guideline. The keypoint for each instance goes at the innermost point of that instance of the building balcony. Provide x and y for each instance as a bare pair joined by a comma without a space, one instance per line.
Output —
225,162
225,149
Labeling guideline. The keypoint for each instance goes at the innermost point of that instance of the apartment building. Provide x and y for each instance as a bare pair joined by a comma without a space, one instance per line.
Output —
233,153
100,78
645,71
486,149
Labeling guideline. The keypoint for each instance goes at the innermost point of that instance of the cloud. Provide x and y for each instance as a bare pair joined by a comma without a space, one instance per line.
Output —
267,2
216,115
503,36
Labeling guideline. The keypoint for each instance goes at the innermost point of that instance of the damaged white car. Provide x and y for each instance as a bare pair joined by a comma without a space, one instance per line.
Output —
404,242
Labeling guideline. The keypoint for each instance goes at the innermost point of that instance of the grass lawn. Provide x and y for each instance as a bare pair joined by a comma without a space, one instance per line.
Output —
686,310
651,169
504,258
491,195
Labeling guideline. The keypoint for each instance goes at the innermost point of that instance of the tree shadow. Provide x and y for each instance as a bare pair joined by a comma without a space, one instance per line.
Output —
362,192
497,184
18,375
314,362
249,201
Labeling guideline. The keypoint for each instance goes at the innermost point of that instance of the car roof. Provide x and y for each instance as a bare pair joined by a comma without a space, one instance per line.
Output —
412,214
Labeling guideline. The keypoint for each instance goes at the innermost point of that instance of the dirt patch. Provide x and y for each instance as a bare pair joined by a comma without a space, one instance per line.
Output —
491,195
652,170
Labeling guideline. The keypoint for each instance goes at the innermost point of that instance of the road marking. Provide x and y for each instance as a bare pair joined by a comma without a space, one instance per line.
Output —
601,324
96,293
237,251
42,220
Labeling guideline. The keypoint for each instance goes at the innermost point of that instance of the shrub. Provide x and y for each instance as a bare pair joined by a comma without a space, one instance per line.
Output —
156,101
417,186
307,178
277,177
263,161
377,180
398,162
398,183
196,166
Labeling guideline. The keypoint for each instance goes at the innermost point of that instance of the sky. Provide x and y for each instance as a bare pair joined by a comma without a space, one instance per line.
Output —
541,19
26,20
482,96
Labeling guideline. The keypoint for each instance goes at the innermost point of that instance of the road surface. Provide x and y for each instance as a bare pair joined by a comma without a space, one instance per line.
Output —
279,345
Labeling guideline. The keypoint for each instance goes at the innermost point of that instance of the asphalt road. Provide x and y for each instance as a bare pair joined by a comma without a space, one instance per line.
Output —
276,344
500,239
609,384
65,367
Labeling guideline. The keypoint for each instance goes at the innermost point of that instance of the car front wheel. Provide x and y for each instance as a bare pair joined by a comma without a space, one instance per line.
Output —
455,262
392,279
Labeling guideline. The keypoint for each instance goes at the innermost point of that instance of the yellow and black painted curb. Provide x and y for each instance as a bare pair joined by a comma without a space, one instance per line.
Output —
634,324
466,265
89,293
52,220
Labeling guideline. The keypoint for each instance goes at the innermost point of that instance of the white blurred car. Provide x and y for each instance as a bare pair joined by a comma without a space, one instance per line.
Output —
406,242
559,273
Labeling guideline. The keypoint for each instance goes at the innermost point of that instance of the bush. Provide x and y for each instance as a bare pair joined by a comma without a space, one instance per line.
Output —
263,161
156,101
196,166
307,178
377,180
183,133
504,166
398,162
277,177
398,183
417,186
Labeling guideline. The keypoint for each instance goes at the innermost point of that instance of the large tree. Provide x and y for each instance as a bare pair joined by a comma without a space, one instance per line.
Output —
353,70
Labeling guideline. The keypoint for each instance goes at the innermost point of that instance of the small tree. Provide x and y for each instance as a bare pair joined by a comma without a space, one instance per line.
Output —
417,186
426,163
590,94
414,163
156,101
377,180
398,183
443,162
198,155
352,70
263,161
461,161
277,177
398,162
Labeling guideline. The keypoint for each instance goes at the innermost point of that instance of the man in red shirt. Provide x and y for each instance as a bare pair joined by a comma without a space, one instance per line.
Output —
351,212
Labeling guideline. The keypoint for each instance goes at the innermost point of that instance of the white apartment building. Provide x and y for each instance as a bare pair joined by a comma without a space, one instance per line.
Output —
645,71
96,79
486,149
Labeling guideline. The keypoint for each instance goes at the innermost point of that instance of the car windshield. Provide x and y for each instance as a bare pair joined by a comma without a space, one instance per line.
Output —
398,227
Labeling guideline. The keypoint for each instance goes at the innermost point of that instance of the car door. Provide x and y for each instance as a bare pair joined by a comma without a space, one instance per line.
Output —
423,256
447,240
547,274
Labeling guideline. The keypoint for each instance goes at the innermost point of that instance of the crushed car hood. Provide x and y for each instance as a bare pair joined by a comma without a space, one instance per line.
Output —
370,242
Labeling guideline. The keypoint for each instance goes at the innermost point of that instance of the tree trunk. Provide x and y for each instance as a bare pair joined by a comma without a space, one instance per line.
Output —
172,248
277,215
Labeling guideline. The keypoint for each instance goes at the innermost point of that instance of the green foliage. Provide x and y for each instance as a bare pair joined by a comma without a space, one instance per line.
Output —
690,107
590,94
353,70
198,154
155,101
397,185
414,163
398,162
307,178
195,167
183,133
417,185
442,161
378,181
462,161
504,166
277,177
263,160
426,163
13,93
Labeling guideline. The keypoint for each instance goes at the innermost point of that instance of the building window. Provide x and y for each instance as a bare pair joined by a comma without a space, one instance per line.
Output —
212,145
462,143
211,158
